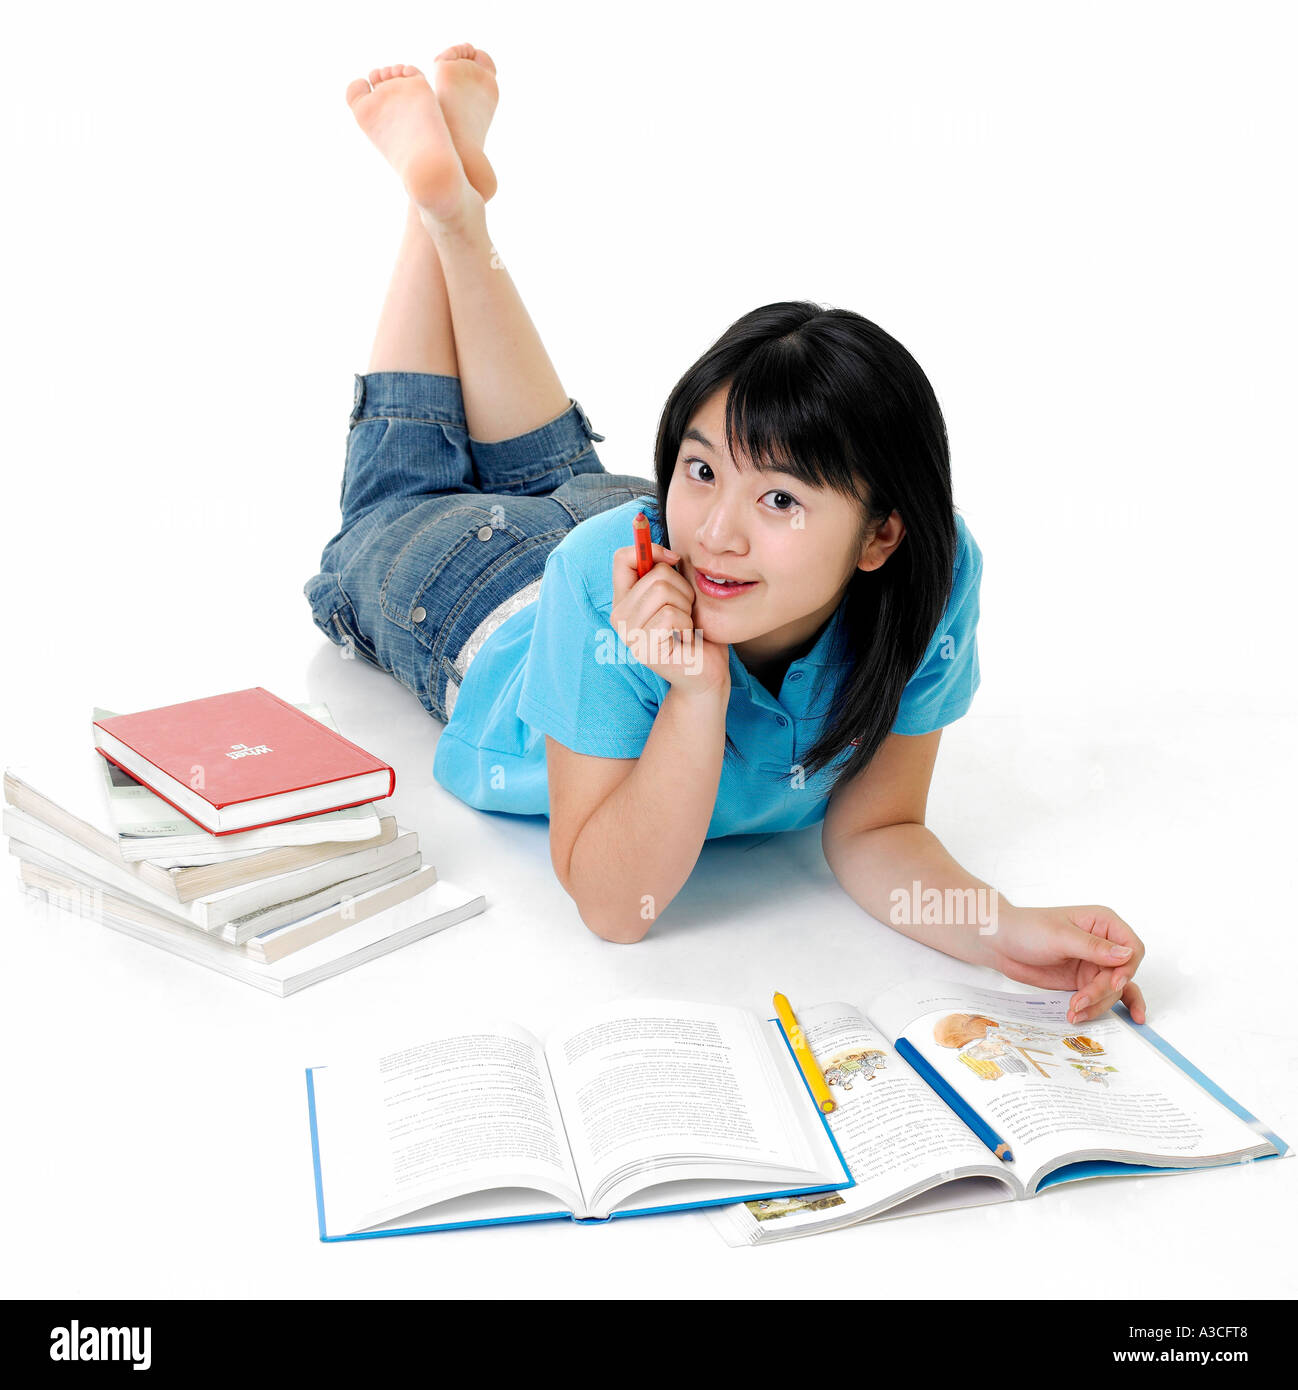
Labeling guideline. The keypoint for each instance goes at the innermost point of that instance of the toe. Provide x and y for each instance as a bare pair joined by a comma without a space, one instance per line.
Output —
356,90
482,56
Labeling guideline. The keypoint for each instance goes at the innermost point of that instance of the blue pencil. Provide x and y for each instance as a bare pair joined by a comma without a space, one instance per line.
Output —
952,1097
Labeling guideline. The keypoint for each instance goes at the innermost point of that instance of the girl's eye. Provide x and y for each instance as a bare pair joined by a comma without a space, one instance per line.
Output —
780,501
695,466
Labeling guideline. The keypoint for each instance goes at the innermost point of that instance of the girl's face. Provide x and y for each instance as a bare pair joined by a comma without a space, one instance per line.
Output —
793,547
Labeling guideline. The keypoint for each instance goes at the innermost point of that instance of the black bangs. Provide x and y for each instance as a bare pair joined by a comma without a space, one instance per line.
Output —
781,413
829,397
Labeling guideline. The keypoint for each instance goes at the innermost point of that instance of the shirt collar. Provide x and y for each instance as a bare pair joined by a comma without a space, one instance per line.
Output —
826,653
830,646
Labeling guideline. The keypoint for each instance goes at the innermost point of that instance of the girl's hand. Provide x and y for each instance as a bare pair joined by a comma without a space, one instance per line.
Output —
1071,948
646,612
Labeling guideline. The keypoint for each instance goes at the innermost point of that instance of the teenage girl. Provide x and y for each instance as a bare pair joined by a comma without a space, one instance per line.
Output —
805,631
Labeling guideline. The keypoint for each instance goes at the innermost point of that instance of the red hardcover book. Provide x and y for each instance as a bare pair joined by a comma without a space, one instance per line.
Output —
243,760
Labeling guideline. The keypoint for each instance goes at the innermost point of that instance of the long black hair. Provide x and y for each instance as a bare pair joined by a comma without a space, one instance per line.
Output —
828,396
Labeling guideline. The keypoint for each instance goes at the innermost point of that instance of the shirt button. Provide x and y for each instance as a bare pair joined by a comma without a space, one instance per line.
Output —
417,615
484,533
795,675
782,721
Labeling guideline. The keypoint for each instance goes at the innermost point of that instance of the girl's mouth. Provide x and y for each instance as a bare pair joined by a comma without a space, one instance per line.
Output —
714,587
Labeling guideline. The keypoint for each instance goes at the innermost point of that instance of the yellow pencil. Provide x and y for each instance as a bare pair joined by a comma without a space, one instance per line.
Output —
810,1067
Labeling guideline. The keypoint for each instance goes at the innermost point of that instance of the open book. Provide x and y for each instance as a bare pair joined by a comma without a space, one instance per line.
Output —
1108,1097
639,1106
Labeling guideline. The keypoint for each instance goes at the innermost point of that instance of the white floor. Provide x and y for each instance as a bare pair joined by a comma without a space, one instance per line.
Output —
157,1114
1080,234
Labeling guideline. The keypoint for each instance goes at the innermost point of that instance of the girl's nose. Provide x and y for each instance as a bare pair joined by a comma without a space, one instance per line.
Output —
721,532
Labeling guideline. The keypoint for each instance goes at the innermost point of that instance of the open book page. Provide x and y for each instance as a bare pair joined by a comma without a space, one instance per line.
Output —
656,1091
456,1113
1059,1092
898,1138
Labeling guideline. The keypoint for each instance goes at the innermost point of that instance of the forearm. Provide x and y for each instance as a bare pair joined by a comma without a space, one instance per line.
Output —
637,849
902,875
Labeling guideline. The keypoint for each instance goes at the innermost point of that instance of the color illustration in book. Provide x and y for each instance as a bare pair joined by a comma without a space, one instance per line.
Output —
991,1049
771,1208
955,1030
982,1067
1092,1071
848,1067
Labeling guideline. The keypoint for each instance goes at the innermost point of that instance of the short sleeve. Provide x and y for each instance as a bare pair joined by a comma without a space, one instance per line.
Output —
943,686
582,685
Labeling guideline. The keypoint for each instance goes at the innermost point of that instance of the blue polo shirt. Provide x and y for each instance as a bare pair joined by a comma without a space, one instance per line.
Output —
558,668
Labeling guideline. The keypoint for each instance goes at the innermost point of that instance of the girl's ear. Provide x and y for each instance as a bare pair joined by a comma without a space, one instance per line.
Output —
881,543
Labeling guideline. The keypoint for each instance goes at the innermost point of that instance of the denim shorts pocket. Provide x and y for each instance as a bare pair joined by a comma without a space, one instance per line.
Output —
364,439
463,560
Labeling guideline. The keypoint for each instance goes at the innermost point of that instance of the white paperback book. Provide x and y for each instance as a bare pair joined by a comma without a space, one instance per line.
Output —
439,905
78,810
236,913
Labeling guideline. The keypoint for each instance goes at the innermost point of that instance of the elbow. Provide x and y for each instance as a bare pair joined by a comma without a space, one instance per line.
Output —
608,924
612,926
620,933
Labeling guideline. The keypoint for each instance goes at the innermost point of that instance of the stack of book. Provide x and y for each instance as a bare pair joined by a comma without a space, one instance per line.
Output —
279,906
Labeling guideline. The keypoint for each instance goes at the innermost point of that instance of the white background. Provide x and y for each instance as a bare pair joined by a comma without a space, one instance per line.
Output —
1079,221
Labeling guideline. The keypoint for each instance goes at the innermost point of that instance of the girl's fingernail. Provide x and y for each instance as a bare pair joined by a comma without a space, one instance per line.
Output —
1081,1004
1120,982
1121,951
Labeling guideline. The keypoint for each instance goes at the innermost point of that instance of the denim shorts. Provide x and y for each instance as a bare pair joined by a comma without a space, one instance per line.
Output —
444,537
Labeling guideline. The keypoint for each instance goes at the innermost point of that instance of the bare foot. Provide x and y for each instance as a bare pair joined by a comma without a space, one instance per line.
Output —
465,80
400,113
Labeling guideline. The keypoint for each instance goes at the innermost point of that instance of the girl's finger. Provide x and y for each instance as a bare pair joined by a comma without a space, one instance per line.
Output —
669,617
661,586
1084,945
1107,924
1135,1002
624,556
1093,998
625,572
637,605
1103,992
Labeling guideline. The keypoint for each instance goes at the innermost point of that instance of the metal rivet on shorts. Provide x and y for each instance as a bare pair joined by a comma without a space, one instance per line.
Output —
417,615
484,533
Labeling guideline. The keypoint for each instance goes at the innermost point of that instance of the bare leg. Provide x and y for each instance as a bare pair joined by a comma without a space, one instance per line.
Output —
508,381
509,384
415,332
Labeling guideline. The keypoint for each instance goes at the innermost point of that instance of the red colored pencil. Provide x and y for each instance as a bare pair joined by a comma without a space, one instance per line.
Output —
644,555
